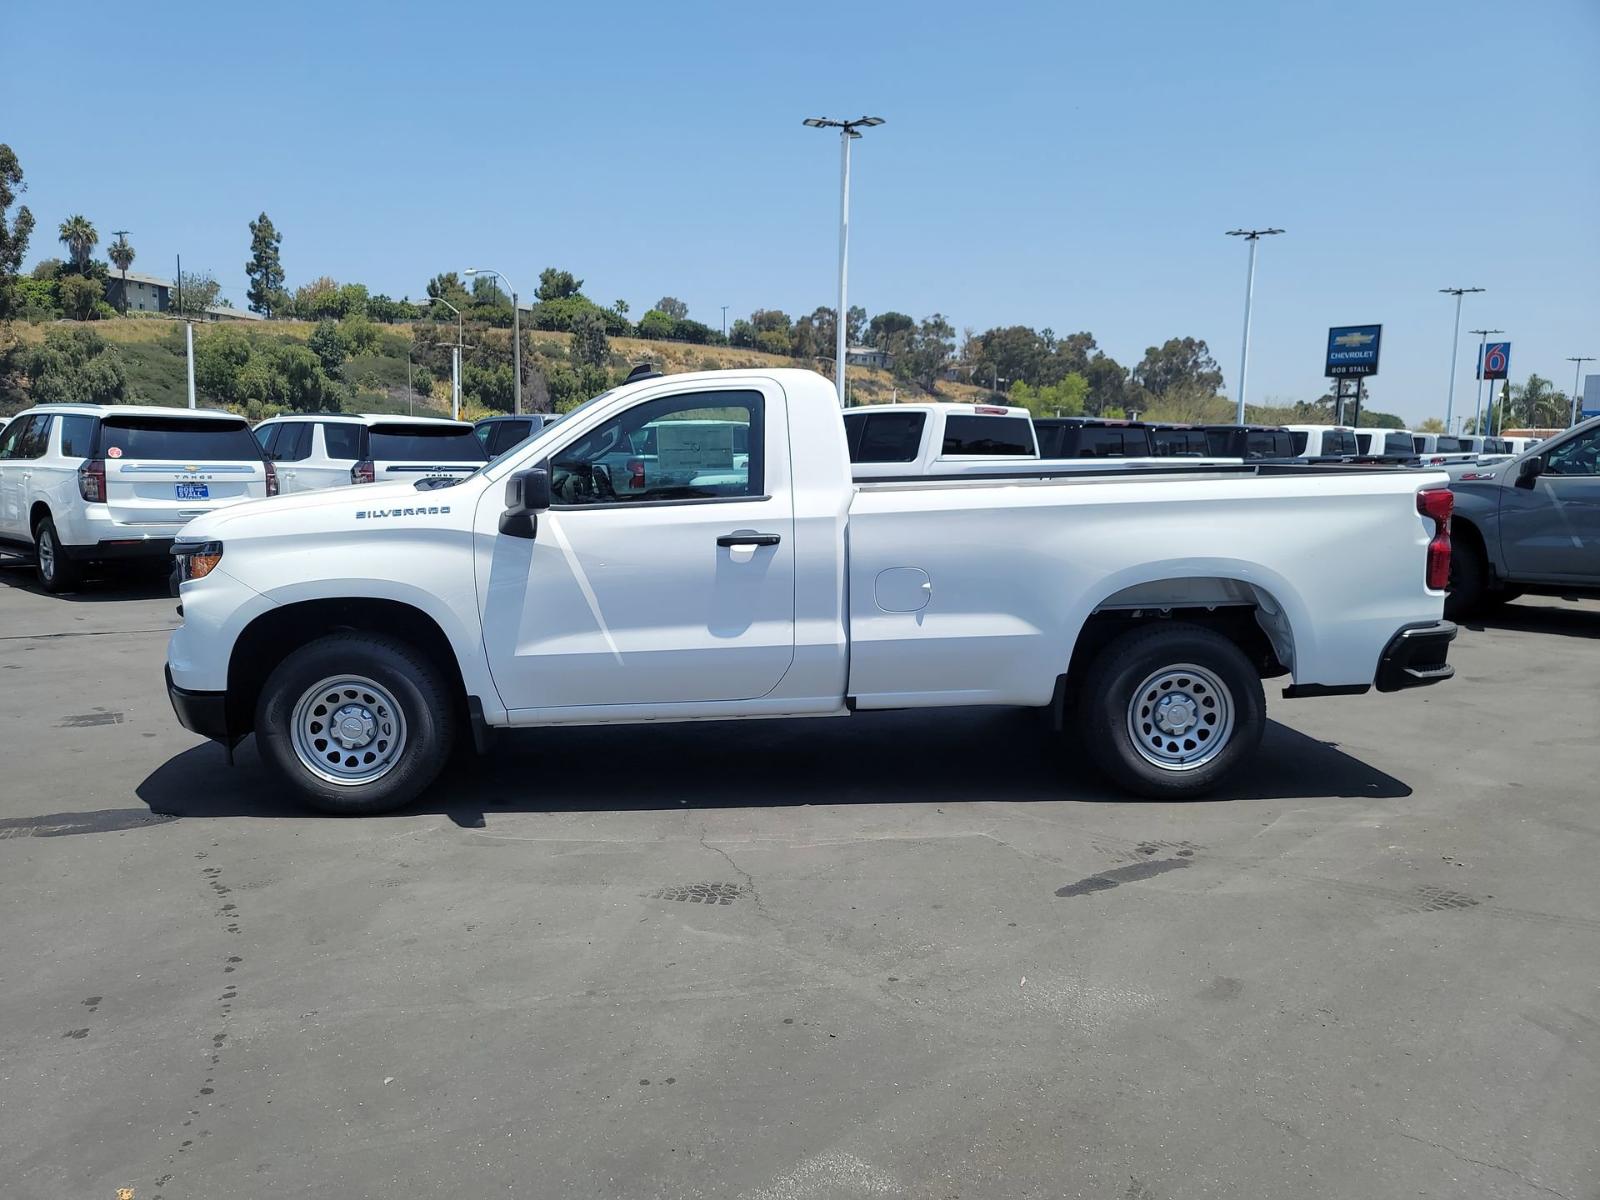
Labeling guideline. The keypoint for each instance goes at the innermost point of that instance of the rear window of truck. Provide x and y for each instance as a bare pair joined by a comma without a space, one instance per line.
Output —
1449,445
987,435
1179,443
431,443
885,437
1272,443
177,438
1095,441
1339,441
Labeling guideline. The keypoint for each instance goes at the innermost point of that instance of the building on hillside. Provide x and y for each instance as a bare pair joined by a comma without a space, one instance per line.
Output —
868,356
221,312
146,293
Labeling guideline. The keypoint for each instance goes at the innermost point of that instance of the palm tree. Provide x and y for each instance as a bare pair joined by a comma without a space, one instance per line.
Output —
80,239
121,253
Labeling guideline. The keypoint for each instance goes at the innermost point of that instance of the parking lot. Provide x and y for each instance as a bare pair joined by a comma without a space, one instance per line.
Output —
905,955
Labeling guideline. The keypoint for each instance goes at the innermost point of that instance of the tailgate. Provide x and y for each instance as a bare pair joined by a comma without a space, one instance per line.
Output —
168,470
403,451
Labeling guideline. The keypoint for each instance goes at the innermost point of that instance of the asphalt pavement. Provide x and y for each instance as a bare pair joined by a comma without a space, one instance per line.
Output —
901,955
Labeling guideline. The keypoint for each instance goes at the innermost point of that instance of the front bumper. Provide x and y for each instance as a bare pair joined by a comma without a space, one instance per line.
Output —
1415,657
206,713
119,549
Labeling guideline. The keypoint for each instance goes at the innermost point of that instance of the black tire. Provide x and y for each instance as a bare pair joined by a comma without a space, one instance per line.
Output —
419,689
1113,681
1469,580
57,573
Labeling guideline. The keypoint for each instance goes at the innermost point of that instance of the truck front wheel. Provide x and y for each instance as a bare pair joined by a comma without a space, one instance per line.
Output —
357,723
1171,710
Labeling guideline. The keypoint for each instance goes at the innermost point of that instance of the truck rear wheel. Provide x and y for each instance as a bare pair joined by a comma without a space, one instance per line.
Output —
357,723
57,572
1171,710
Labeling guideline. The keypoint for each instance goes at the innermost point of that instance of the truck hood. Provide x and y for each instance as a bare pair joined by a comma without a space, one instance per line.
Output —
280,514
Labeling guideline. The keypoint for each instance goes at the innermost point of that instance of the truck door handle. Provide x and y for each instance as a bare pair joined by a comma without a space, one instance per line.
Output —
748,537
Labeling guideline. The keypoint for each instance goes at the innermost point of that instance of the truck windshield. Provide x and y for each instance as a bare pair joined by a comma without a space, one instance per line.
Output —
436,443
177,438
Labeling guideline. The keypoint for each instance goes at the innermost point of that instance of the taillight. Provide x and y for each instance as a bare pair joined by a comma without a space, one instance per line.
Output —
1437,504
272,480
363,472
92,481
636,475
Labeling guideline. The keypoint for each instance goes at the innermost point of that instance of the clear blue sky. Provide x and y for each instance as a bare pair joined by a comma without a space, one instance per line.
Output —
1054,164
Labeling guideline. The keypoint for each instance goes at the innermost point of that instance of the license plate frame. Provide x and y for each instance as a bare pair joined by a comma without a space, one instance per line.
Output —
191,491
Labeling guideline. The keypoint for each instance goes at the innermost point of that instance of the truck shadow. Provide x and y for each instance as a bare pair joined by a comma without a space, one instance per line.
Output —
103,584
945,756
1580,622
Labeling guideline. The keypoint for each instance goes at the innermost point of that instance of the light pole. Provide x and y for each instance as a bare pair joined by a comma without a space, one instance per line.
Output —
848,131
516,334
455,357
1455,349
1577,362
1252,236
724,322
1483,341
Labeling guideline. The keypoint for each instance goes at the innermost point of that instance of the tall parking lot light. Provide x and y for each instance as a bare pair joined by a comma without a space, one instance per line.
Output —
1455,349
1577,368
848,131
516,334
1252,236
455,357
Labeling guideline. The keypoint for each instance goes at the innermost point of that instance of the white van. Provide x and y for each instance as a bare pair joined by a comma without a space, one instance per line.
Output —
324,450
94,482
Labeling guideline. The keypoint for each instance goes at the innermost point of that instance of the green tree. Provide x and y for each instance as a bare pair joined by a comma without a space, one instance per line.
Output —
1178,362
121,253
1431,425
326,344
306,387
1535,404
1061,399
358,335
673,307
926,353
318,300
14,231
448,286
1108,385
555,284
76,366
590,346
656,325
265,268
80,297
80,239
47,270
886,329
196,292
219,359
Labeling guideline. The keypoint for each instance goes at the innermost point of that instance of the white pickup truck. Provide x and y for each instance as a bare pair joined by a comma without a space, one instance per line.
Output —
359,632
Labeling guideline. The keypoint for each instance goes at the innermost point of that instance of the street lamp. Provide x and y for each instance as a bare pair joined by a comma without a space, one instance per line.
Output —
1455,349
848,131
1577,362
455,358
1252,236
1483,341
516,333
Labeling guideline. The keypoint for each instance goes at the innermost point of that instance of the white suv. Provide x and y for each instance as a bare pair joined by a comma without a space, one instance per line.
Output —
91,482
315,451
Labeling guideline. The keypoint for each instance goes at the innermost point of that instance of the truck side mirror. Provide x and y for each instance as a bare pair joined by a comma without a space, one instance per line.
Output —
527,495
1529,470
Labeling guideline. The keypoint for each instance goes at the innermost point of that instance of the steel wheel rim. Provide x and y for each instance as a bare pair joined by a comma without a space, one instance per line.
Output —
47,554
348,730
1181,717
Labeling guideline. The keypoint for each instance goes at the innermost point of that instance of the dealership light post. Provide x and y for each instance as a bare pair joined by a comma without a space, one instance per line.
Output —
1483,342
1252,236
1455,349
516,334
1577,368
848,131
455,357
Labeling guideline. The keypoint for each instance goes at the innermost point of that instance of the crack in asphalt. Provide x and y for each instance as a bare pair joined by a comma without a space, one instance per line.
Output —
749,879
1477,1162
77,633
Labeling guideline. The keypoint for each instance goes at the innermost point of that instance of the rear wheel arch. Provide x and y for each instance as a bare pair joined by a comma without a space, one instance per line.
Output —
37,513
272,636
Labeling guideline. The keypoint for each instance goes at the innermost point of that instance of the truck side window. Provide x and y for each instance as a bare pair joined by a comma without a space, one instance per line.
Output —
696,446
1579,456
987,435
888,438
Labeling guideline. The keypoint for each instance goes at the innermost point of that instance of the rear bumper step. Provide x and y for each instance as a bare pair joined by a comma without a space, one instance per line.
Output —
1415,657
119,548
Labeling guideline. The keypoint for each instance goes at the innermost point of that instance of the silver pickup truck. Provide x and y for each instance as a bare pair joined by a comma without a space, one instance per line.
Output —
1530,524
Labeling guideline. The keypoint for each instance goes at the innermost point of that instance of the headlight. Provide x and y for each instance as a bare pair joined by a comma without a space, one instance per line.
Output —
196,560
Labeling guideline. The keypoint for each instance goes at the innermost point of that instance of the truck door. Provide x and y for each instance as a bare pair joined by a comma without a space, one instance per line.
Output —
672,587
1552,529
